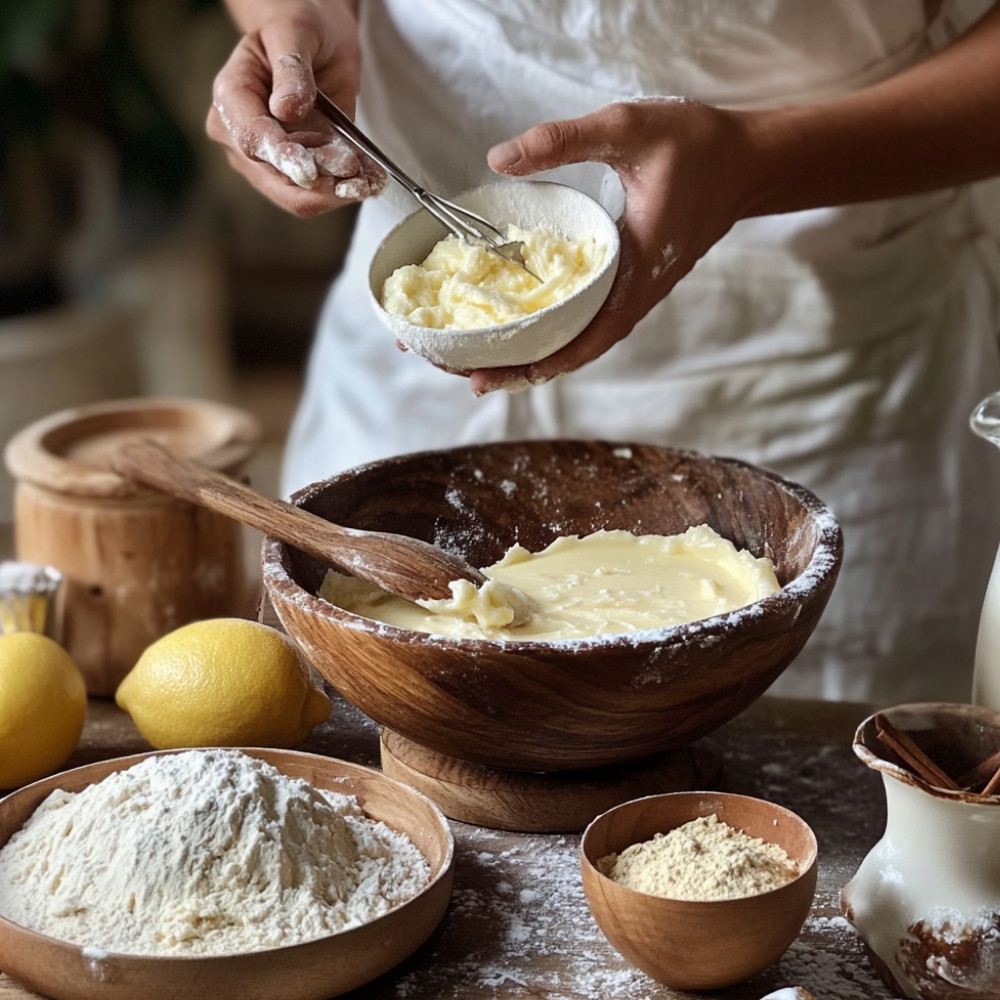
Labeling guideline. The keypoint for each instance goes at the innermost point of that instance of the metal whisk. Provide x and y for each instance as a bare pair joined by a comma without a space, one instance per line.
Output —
467,225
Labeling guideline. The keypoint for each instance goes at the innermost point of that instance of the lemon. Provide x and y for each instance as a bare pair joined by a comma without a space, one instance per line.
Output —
43,701
222,682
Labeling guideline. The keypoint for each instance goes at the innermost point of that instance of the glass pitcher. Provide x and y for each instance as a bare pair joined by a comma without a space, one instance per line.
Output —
985,421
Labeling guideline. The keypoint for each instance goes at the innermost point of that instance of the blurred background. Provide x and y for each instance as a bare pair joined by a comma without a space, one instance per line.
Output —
133,261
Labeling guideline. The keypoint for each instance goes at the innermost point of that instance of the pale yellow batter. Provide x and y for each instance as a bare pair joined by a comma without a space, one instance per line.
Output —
460,286
607,582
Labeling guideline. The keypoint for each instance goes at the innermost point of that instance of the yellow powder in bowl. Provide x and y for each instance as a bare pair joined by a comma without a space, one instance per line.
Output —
705,859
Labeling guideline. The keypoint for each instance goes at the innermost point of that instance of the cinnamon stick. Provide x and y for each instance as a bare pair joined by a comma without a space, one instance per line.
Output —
981,773
994,783
911,755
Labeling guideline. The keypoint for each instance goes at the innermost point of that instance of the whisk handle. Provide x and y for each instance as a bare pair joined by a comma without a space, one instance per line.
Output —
343,124
454,218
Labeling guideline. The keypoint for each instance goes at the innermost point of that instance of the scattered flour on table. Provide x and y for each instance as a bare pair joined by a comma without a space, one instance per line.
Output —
790,993
703,859
203,852
507,933
517,917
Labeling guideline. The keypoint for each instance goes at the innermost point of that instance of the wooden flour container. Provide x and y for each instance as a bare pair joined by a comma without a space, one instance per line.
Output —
137,563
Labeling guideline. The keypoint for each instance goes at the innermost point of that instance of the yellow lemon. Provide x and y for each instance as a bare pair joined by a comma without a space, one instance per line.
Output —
222,682
43,701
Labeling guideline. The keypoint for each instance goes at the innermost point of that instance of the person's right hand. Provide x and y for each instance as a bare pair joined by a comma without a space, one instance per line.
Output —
262,109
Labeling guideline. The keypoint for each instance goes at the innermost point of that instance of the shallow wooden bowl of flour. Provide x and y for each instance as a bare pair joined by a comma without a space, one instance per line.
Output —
315,970
572,703
531,205
696,944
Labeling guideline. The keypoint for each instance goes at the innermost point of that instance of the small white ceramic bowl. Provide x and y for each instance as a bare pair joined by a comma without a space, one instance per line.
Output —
530,205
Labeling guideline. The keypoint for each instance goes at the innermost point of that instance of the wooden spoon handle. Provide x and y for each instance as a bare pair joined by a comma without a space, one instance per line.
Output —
401,565
147,462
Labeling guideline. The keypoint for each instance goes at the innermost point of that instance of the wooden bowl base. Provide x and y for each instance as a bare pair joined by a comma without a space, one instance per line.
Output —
541,802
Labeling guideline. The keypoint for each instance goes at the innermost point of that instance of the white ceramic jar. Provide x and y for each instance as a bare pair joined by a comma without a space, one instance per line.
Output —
926,899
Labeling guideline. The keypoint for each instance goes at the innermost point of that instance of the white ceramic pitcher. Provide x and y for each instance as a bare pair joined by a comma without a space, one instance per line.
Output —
926,899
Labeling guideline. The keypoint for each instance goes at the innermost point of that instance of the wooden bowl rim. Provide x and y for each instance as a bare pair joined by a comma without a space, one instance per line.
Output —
271,755
823,563
808,863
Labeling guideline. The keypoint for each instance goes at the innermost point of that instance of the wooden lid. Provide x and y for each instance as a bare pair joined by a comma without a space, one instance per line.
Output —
69,451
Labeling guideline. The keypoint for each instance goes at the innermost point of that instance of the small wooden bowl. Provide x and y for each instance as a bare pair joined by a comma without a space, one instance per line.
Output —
314,970
530,205
691,945
558,706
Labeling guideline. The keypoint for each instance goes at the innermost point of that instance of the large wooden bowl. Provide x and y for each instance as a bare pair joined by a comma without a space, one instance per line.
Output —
315,970
691,944
550,706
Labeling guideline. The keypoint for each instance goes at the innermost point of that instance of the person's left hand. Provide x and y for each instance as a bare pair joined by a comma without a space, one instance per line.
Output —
684,167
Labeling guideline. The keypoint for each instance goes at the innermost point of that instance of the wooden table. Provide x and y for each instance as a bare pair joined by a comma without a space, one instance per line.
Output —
518,925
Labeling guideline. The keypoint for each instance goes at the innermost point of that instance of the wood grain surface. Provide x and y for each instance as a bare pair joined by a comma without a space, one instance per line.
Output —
405,566
518,925
553,802
551,706
136,564
676,941
132,571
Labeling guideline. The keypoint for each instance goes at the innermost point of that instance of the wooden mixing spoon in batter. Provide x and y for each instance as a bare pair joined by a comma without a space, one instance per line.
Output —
403,566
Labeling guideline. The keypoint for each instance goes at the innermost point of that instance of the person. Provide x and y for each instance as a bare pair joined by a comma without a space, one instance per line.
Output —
807,279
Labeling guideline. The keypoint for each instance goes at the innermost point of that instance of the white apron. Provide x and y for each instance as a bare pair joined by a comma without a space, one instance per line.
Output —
843,348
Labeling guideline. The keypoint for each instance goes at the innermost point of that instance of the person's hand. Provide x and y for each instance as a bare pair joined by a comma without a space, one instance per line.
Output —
262,109
682,165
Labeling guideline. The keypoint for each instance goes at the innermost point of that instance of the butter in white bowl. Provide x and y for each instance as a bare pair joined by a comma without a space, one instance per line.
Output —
462,307
465,286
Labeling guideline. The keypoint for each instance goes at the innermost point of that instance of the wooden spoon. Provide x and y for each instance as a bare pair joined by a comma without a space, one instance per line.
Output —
404,566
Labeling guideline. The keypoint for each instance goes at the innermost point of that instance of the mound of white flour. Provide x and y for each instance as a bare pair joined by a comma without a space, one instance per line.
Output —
204,852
